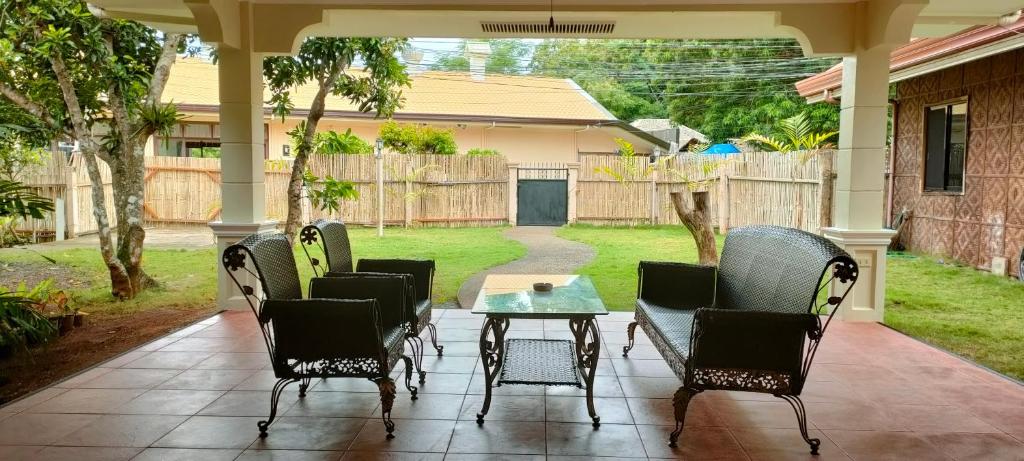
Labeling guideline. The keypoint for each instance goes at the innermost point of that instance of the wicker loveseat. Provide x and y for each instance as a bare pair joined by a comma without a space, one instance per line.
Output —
753,323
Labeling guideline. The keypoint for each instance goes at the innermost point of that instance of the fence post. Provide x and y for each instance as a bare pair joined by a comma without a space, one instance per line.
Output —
654,196
571,181
513,192
71,198
723,199
407,196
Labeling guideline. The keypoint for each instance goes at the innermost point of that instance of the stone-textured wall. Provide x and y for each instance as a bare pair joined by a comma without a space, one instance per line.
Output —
988,219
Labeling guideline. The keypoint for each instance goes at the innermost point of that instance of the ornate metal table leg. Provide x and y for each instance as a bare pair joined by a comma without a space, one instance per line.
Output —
386,386
275,396
492,352
588,349
416,344
630,332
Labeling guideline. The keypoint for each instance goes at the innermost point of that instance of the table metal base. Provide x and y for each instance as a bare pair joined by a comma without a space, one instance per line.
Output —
512,361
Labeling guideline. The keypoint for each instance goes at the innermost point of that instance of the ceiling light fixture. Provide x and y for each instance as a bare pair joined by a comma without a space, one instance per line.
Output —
551,18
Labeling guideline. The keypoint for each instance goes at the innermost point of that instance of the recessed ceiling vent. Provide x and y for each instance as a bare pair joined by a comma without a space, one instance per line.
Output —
544,28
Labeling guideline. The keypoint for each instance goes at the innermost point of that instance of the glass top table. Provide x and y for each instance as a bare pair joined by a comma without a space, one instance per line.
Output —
512,296
548,362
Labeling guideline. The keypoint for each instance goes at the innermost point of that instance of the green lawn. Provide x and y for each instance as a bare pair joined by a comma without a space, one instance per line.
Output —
187,277
963,310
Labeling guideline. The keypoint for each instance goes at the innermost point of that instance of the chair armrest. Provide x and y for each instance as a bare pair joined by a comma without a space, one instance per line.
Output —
731,339
676,285
391,291
422,271
309,330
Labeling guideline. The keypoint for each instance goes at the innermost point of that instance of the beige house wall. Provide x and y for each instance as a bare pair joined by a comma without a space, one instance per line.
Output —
518,143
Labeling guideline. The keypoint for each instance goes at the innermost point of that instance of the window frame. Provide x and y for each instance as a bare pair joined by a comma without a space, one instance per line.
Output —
923,167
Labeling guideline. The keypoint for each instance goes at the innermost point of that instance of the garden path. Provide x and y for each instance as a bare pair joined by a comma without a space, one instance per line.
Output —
545,254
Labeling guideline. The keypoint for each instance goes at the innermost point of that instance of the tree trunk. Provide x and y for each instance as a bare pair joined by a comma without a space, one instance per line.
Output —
120,282
302,153
130,199
698,220
825,160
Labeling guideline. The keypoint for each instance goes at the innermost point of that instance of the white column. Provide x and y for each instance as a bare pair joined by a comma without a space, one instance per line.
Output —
860,164
242,172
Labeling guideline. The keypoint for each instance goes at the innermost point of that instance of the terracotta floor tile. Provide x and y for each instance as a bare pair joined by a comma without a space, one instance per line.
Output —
411,435
641,367
476,387
851,416
391,456
989,447
290,433
433,406
249,403
752,413
574,410
882,446
469,457
289,455
87,401
582,439
86,454
446,364
337,404
40,429
212,432
785,444
503,437
445,383
32,400
129,378
169,402
456,348
19,452
697,443
504,408
656,388
122,431
123,359
604,386
214,380
84,376
168,360
947,418
661,412
186,454
235,361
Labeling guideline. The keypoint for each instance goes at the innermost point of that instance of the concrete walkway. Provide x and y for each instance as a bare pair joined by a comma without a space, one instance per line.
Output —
545,254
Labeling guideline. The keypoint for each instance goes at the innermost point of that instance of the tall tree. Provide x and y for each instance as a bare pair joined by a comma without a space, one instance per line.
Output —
722,88
98,81
326,61
508,56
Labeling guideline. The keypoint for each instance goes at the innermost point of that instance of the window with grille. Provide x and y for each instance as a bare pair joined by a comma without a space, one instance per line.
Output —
945,147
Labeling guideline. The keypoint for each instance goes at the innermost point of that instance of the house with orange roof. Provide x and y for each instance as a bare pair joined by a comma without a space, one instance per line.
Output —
956,164
525,118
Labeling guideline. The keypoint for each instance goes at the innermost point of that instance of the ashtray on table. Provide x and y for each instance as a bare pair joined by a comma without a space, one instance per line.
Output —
542,287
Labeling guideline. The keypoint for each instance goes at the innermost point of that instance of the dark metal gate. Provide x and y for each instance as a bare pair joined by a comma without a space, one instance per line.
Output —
543,197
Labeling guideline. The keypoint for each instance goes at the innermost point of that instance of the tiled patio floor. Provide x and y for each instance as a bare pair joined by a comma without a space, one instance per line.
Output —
197,394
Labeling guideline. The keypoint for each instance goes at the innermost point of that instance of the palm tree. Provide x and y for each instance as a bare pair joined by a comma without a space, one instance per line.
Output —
799,136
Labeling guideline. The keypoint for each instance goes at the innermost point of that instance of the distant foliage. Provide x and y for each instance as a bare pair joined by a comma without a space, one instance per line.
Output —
406,138
480,152
333,143
505,58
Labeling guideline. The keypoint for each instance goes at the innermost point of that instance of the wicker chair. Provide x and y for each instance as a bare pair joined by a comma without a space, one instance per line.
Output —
753,323
339,332
331,238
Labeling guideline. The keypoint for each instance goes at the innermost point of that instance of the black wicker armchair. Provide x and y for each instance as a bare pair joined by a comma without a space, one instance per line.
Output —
331,238
752,324
340,331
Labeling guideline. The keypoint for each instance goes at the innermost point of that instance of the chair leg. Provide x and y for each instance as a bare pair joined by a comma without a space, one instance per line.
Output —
680,401
433,339
801,417
387,388
304,386
408,377
416,344
275,396
630,331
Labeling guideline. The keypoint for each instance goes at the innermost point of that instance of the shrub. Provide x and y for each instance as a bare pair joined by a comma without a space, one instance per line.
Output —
332,143
406,138
481,152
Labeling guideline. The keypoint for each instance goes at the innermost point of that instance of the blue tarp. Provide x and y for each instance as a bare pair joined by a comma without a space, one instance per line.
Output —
722,149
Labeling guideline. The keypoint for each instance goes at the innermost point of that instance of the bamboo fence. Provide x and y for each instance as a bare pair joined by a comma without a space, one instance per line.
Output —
461,191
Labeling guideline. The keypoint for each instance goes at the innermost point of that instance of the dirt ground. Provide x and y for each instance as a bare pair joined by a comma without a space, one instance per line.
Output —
102,337
32,273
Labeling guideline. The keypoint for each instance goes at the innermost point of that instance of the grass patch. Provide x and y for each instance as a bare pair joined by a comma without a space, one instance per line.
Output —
188,277
620,250
965,311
